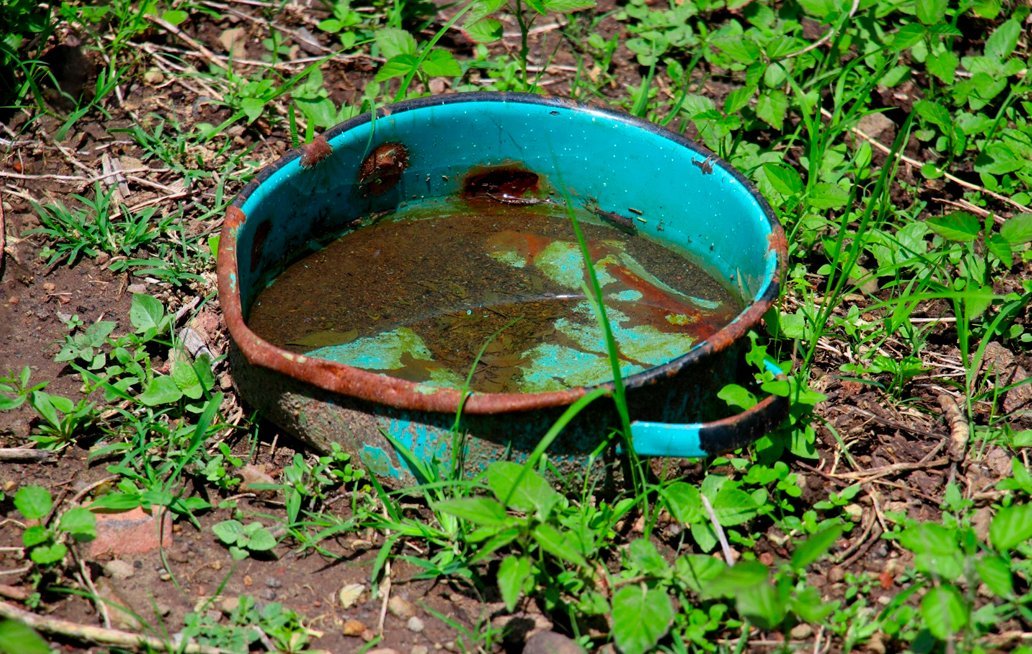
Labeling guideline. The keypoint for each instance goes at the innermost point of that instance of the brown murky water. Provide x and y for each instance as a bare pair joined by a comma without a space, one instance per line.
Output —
421,294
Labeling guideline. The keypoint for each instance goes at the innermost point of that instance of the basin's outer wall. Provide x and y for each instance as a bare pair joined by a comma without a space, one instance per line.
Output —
318,418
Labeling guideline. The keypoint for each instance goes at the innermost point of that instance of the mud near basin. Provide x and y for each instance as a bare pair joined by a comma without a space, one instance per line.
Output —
419,294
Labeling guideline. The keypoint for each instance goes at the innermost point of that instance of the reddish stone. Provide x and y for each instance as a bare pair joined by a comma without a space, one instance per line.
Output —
131,532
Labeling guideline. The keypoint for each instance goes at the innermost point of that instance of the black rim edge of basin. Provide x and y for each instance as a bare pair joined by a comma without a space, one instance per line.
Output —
391,391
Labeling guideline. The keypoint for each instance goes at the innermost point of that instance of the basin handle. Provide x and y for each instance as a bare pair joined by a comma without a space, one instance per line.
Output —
703,439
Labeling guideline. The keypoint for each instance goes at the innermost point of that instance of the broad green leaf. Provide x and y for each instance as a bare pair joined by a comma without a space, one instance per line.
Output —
48,554
826,195
117,501
1001,248
771,107
734,506
532,494
33,502
995,573
478,510
738,99
763,605
185,377
704,536
818,8
34,535
934,113
641,616
398,66
815,546
228,531
79,522
485,30
999,159
252,108
259,538
567,6
440,63
935,548
394,42
809,606
944,611
738,578
696,570
737,396
958,226
683,502
513,573
558,544
175,16
19,638
987,8
644,556
1018,229
907,36
783,178
1003,40
145,313
1011,526
930,12
161,390
943,65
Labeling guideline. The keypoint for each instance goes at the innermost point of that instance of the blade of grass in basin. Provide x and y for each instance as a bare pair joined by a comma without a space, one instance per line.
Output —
458,442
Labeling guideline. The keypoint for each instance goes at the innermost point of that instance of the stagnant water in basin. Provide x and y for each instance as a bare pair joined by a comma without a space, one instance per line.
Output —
419,294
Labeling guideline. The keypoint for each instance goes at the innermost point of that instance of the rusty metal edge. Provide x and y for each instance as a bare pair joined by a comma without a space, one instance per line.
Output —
383,389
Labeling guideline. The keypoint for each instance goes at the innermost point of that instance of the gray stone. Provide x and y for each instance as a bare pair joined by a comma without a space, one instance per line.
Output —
415,625
118,569
549,642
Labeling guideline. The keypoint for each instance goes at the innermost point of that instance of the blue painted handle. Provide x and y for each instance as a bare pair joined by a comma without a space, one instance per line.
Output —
705,438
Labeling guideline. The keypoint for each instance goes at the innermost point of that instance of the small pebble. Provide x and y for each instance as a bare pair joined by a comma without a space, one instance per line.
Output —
383,650
269,594
836,574
164,576
118,569
153,76
248,581
353,628
801,631
550,642
163,609
419,649
273,582
229,604
401,607
415,625
350,594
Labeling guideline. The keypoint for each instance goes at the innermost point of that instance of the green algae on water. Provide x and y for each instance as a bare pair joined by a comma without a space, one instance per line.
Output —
417,295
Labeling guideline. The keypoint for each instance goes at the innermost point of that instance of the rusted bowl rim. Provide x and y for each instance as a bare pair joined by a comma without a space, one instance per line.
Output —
394,392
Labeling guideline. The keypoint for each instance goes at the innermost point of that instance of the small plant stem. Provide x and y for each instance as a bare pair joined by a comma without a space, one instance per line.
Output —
22,454
100,635
725,547
524,33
